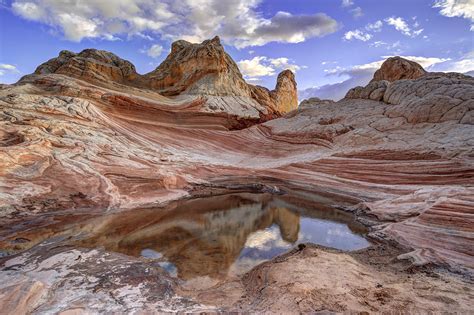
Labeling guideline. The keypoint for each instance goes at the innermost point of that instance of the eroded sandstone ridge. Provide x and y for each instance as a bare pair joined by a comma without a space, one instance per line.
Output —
400,155
190,72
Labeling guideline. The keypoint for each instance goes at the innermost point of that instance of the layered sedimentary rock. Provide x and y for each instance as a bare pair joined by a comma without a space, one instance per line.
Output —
96,66
401,152
191,71
206,69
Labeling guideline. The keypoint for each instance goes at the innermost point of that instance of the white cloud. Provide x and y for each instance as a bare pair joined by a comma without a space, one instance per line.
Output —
461,65
284,63
374,27
401,25
357,34
237,22
6,68
457,8
154,51
255,68
347,3
357,12
261,66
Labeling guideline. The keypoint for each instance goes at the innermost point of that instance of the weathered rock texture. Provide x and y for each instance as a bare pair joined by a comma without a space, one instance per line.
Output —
402,151
197,70
313,101
92,65
398,68
202,69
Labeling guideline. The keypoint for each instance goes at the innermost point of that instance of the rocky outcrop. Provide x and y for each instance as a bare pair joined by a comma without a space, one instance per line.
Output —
398,68
397,154
372,91
206,69
283,99
312,101
202,71
285,94
393,69
92,65
434,97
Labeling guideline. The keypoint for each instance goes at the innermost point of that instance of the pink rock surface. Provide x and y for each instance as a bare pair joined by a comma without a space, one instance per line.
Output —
402,150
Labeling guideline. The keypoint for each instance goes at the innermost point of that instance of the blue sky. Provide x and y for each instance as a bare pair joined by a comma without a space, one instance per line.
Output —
331,44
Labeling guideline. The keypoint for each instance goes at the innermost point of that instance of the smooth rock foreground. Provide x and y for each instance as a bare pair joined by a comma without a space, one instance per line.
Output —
86,133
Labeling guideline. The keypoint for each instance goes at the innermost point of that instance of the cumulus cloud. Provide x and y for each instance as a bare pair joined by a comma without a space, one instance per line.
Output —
402,26
254,67
457,8
5,68
358,75
154,51
357,34
261,66
237,22
284,63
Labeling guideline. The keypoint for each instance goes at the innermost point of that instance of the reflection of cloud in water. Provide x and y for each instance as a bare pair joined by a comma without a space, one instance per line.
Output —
151,254
331,234
221,235
266,239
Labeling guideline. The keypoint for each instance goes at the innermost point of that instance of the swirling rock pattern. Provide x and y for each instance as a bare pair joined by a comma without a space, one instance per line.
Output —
403,151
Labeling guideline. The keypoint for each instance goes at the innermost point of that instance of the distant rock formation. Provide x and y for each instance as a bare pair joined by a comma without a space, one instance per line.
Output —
424,92
391,70
284,98
314,101
203,69
91,65
398,68
285,94
206,69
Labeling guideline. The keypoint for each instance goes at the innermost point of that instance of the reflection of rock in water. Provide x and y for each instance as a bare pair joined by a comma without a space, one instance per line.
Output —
289,223
198,244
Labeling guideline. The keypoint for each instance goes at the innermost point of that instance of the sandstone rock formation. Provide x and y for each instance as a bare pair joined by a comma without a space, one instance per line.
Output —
96,66
195,73
202,69
313,101
398,154
398,68
206,69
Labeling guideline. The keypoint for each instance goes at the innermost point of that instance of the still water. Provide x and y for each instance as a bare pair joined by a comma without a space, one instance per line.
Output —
224,235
